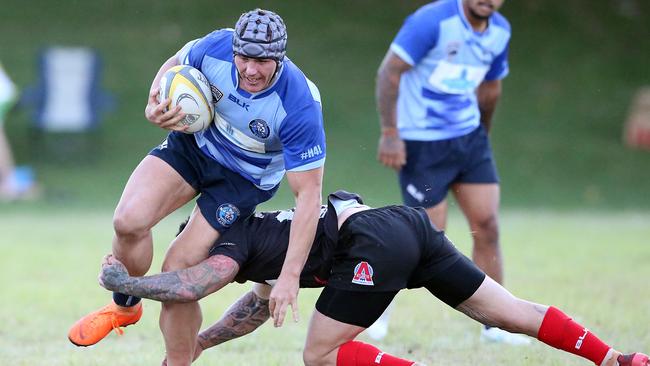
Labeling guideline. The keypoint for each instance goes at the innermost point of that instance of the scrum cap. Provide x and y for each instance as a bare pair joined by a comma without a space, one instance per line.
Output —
260,34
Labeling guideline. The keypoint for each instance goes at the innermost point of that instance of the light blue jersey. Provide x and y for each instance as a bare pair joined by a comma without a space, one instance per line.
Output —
437,98
258,135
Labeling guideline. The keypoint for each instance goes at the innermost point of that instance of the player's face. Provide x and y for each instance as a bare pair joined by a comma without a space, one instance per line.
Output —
255,74
482,9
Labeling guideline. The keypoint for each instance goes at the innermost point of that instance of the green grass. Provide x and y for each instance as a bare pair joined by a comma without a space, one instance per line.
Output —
592,265
557,133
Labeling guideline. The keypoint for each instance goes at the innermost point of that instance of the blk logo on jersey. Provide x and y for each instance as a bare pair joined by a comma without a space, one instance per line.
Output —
227,214
259,128
363,274
240,103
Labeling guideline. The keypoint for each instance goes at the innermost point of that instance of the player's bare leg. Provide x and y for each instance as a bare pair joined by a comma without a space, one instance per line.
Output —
153,191
180,322
493,305
438,215
331,343
480,205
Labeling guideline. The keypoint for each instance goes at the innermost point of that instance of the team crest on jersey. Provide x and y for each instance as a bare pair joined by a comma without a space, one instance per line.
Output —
363,274
227,214
216,94
259,128
452,49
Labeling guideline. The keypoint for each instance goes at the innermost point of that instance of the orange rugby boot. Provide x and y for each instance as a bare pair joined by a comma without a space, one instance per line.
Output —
634,359
93,327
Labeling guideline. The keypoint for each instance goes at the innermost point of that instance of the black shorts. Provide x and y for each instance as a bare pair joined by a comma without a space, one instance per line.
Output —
382,251
433,166
225,195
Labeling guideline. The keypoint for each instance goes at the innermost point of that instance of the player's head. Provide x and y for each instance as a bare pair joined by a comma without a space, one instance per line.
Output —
482,9
260,36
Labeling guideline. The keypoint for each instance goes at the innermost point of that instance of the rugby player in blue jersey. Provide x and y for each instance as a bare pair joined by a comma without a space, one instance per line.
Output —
437,89
268,120
363,257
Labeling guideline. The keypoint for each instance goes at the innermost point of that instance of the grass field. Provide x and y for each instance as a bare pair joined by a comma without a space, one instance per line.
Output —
592,265
576,205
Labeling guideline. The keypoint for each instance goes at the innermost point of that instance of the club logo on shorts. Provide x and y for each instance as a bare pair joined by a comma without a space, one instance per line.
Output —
259,128
363,274
227,214
163,145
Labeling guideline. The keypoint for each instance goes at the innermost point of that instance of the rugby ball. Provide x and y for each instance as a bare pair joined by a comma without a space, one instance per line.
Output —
189,88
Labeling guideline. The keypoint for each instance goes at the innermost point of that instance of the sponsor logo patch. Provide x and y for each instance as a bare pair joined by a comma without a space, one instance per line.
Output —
259,128
227,214
363,274
216,94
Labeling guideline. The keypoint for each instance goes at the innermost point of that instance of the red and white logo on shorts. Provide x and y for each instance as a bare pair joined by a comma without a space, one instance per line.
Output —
363,274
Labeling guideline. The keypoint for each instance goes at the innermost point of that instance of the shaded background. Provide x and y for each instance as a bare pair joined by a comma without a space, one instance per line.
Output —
575,66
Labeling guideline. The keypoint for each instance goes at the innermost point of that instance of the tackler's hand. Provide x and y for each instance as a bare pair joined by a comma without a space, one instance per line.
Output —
284,294
112,274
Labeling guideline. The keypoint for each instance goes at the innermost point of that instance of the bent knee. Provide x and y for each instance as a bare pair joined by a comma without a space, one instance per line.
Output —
130,223
312,357
487,227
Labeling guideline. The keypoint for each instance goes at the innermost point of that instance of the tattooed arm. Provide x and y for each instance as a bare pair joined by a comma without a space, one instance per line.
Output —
189,284
243,317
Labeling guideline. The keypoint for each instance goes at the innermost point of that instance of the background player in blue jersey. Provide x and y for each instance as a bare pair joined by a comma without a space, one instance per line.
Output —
437,89
363,257
268,120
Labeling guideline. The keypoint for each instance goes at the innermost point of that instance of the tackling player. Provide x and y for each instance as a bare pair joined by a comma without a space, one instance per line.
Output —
360,255
268,120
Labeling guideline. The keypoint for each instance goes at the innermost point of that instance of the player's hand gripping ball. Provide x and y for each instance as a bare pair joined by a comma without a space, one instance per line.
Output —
189,88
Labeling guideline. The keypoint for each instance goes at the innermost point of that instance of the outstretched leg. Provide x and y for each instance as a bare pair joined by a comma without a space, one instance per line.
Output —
493,305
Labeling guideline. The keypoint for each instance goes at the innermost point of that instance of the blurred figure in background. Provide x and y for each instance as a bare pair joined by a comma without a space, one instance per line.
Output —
436,91
16,183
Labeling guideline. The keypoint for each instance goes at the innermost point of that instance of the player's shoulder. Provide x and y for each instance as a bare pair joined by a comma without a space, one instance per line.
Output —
216,44
295,89
500,21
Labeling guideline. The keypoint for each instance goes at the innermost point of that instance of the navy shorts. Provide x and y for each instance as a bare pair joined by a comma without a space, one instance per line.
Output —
225,196
433,166
382,251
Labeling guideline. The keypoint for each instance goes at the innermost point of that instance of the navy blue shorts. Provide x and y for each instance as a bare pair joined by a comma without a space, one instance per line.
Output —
433,166
225,196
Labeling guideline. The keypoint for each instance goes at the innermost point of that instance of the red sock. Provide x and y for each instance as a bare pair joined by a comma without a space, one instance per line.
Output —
355,353
559,331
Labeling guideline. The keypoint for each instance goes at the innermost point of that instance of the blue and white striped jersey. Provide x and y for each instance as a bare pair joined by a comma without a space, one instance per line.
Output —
437,97
257,135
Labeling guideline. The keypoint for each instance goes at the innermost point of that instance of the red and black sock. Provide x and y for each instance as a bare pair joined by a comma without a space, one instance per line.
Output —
355,353
560,331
